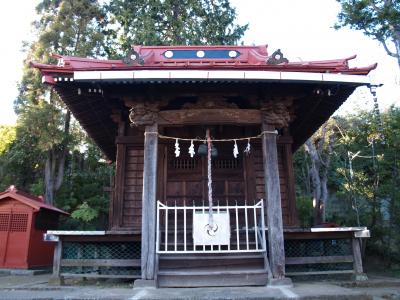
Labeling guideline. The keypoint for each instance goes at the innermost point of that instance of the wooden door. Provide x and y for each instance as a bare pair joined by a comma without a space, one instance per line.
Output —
228,176
5,218
185,178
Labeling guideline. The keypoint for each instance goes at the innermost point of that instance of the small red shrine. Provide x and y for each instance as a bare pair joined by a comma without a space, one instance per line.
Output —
23,221
150,112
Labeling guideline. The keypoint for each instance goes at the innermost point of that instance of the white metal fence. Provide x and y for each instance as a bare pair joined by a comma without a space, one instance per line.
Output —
183,229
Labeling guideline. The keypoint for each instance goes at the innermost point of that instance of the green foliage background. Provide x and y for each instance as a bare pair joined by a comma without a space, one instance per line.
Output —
372,194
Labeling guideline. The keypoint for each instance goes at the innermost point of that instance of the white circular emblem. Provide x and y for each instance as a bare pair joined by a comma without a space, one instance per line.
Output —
200,54
211,231
232,54
169,54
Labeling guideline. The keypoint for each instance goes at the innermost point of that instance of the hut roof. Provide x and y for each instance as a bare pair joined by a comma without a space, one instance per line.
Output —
37,203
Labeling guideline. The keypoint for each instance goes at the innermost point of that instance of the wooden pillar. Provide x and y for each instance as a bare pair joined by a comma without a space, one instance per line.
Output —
359,274
56,278
148,257
274,209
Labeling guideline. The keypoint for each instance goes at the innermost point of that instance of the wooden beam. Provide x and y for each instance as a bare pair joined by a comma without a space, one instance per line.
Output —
317,235
232,116
320,273
95,275
274,209
129,139
111,236
318,260
100,262
149,202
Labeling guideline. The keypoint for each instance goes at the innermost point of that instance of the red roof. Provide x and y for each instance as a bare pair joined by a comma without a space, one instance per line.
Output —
76,81
201,58
30,200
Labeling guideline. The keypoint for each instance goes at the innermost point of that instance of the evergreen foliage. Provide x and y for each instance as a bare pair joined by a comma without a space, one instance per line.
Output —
363,180
170,22
47,152
7,133
379,19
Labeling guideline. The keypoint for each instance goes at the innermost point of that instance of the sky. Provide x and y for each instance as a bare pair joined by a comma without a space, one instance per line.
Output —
302,29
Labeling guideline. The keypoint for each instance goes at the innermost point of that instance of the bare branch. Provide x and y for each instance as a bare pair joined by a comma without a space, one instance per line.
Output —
388,51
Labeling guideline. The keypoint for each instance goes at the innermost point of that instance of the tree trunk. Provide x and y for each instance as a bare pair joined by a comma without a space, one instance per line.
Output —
55,165
324,197
48,179
315,180
324,177
307,177
63,153
320,152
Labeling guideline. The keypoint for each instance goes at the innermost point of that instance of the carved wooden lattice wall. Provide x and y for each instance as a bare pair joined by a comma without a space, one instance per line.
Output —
133,186
184,180
259,179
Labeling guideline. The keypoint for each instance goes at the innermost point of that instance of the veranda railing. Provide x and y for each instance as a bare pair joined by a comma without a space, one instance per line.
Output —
180,229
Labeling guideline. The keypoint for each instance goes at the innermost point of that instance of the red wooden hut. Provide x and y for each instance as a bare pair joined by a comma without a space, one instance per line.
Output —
23,221
145,112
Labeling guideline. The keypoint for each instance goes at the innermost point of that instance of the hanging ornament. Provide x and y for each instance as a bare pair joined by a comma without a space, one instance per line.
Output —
177,149
377,113
247,149
235,150
191,149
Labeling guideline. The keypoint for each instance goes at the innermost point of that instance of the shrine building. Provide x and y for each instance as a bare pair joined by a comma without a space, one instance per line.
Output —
203,139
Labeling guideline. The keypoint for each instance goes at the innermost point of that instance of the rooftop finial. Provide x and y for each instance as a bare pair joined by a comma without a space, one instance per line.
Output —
12,188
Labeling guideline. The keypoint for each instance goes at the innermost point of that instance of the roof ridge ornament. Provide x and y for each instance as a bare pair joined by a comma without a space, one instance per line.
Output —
133,58
12,189
277,58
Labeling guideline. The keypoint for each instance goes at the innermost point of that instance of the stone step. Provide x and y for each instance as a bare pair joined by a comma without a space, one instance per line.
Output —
212,278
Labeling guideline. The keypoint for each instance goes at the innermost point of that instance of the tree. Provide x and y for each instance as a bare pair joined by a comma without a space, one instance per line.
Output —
170,22
390,182
21,162
46,156
379,19
363,177
7,133
66,27
83,193
320,149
